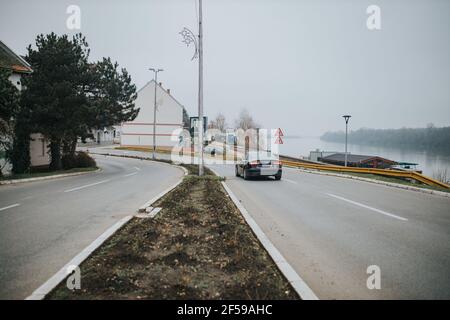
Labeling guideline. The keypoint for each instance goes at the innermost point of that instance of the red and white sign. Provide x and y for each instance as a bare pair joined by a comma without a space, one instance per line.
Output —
279,134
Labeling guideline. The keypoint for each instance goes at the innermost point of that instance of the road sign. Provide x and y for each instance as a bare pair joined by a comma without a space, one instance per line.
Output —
279,134
194,124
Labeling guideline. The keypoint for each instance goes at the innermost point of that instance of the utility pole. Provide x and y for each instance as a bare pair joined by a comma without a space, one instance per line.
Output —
346,117
200,88
188,38
154,111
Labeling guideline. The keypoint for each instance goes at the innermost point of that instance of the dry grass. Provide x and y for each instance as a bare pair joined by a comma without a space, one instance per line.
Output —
197,247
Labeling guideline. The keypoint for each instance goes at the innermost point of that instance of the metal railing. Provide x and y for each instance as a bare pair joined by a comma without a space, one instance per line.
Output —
383,172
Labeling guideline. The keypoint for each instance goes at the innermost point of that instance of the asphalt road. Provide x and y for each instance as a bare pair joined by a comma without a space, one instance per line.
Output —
330,229
43,225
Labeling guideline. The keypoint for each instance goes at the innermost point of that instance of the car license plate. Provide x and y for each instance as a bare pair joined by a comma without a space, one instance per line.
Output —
268,170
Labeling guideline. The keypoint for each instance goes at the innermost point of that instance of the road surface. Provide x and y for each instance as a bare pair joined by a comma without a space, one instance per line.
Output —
331,229
44,224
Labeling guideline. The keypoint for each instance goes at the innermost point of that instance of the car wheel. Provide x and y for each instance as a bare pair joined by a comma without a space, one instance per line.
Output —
278,176
236,171
245,175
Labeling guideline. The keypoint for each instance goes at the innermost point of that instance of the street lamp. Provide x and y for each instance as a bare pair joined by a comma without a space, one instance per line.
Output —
346,117
154,111
188,38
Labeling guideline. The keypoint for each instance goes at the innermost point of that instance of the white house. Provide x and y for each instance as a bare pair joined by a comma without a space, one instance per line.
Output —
169,117
107,135
19,67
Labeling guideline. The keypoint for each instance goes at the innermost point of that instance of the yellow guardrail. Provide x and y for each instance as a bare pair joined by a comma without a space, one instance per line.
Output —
384,172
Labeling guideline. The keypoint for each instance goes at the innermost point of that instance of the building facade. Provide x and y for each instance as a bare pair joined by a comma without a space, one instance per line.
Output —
357,160
170,119
9,60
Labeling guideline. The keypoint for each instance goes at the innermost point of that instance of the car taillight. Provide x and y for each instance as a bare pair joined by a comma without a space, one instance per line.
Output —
254,164
276,163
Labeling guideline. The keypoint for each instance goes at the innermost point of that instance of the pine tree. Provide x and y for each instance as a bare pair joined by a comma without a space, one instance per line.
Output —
68,97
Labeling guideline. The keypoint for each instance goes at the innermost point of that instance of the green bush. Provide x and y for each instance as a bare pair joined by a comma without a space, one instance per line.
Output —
68,161
84,160
78,160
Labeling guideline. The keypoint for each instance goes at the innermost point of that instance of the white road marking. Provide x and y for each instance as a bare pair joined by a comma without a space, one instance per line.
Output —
138,169
290,181
86,186
130,174
367,207
11,206
51,283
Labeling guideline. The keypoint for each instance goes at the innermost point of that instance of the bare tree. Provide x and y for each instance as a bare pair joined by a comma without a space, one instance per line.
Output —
245,121
221,122
218,123
212,124
441,174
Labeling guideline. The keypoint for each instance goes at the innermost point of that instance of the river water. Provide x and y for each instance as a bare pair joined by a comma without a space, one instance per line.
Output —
429,161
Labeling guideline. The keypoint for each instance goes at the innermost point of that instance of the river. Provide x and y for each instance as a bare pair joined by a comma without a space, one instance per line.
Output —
429,161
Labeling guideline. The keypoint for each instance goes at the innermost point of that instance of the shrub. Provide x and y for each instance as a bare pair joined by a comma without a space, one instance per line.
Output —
78,160
83,160
68,161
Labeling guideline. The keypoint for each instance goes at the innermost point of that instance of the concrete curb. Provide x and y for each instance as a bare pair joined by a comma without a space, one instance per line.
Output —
285,268
385,183
56,279
154,199
56,176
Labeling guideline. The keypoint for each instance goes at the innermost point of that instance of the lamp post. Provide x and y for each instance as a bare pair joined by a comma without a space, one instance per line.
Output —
346,117
154,111
188,38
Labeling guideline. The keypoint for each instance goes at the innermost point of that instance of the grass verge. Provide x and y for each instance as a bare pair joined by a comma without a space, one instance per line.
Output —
197,247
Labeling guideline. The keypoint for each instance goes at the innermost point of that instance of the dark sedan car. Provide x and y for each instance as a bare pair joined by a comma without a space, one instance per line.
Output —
257,164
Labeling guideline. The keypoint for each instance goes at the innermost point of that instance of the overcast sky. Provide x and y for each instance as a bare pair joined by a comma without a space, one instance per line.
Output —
293,64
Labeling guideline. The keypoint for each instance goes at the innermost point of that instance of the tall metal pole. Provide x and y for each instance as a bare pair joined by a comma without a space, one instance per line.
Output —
188,38
346,117
200,88
154,111
346,133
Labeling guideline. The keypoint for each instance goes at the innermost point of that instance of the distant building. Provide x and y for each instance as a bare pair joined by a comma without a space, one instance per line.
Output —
105,136
14,63
316,154
170,116
356,160
11,61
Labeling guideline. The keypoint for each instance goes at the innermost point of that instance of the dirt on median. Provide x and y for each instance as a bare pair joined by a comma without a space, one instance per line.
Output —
197,247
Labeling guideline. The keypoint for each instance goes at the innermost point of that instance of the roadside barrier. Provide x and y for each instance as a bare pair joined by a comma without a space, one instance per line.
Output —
383,172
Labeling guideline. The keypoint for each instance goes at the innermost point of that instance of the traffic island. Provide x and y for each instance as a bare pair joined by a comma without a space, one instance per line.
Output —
198,246
46,175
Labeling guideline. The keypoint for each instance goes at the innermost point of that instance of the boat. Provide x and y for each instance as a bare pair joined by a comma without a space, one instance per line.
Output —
406,166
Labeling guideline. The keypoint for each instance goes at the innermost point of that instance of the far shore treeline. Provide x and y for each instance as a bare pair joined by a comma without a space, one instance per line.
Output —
429,138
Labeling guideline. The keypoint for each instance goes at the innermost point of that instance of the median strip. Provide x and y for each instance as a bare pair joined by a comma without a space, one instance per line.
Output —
367,207
197,247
